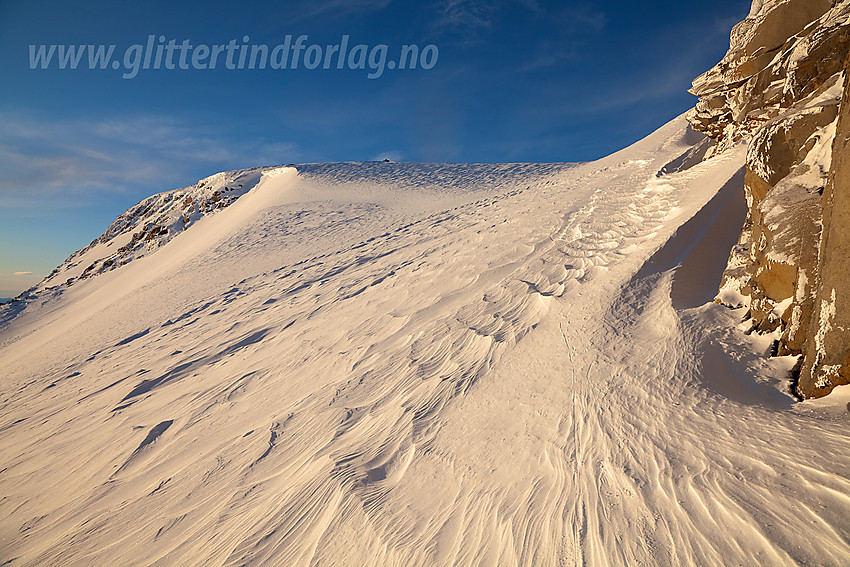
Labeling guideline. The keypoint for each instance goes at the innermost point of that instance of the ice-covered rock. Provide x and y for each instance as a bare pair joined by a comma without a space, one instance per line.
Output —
780,86
828,346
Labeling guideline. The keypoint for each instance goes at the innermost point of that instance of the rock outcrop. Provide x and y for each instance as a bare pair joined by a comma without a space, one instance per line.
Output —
829,339
783,87
149,225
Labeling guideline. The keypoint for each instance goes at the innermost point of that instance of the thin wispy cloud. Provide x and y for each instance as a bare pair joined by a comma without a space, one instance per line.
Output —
22,273
581,17
335,9
469,22
576,23
466,15
77,158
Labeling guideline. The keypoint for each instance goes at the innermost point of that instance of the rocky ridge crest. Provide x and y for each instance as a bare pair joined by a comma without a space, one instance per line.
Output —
149,225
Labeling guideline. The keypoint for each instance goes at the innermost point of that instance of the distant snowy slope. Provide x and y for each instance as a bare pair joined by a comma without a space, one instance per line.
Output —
412,364
152,223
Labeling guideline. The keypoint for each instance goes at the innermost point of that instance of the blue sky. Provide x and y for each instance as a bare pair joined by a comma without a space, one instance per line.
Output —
515,80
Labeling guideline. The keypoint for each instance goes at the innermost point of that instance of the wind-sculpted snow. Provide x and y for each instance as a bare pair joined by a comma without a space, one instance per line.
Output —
150,224
401,364
443,177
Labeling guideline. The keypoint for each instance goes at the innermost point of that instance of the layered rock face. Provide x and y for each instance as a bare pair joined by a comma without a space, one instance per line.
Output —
783,88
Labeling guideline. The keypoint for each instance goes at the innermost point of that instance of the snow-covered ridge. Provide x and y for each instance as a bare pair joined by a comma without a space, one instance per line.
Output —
156,220
404,364
424,365
152,223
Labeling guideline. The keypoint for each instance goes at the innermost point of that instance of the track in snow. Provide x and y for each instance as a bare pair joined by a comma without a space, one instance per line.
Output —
409,365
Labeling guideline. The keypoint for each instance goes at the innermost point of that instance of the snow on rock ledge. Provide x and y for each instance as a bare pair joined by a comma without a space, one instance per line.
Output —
151,224
782,86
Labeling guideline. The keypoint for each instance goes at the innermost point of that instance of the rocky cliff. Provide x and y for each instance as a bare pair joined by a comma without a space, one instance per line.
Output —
149,225
783,87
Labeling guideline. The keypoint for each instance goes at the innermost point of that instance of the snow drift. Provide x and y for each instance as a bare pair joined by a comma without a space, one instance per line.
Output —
411,364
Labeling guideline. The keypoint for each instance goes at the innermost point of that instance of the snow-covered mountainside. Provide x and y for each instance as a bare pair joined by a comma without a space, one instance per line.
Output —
408,364
149,225
154,221
783,86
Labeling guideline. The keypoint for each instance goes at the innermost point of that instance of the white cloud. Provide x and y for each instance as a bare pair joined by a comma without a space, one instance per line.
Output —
22,274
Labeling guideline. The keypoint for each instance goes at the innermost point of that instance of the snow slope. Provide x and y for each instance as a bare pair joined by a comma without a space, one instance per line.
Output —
407,364
150,224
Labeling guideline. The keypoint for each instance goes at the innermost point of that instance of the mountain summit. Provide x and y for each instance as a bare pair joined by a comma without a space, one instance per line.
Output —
451,364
